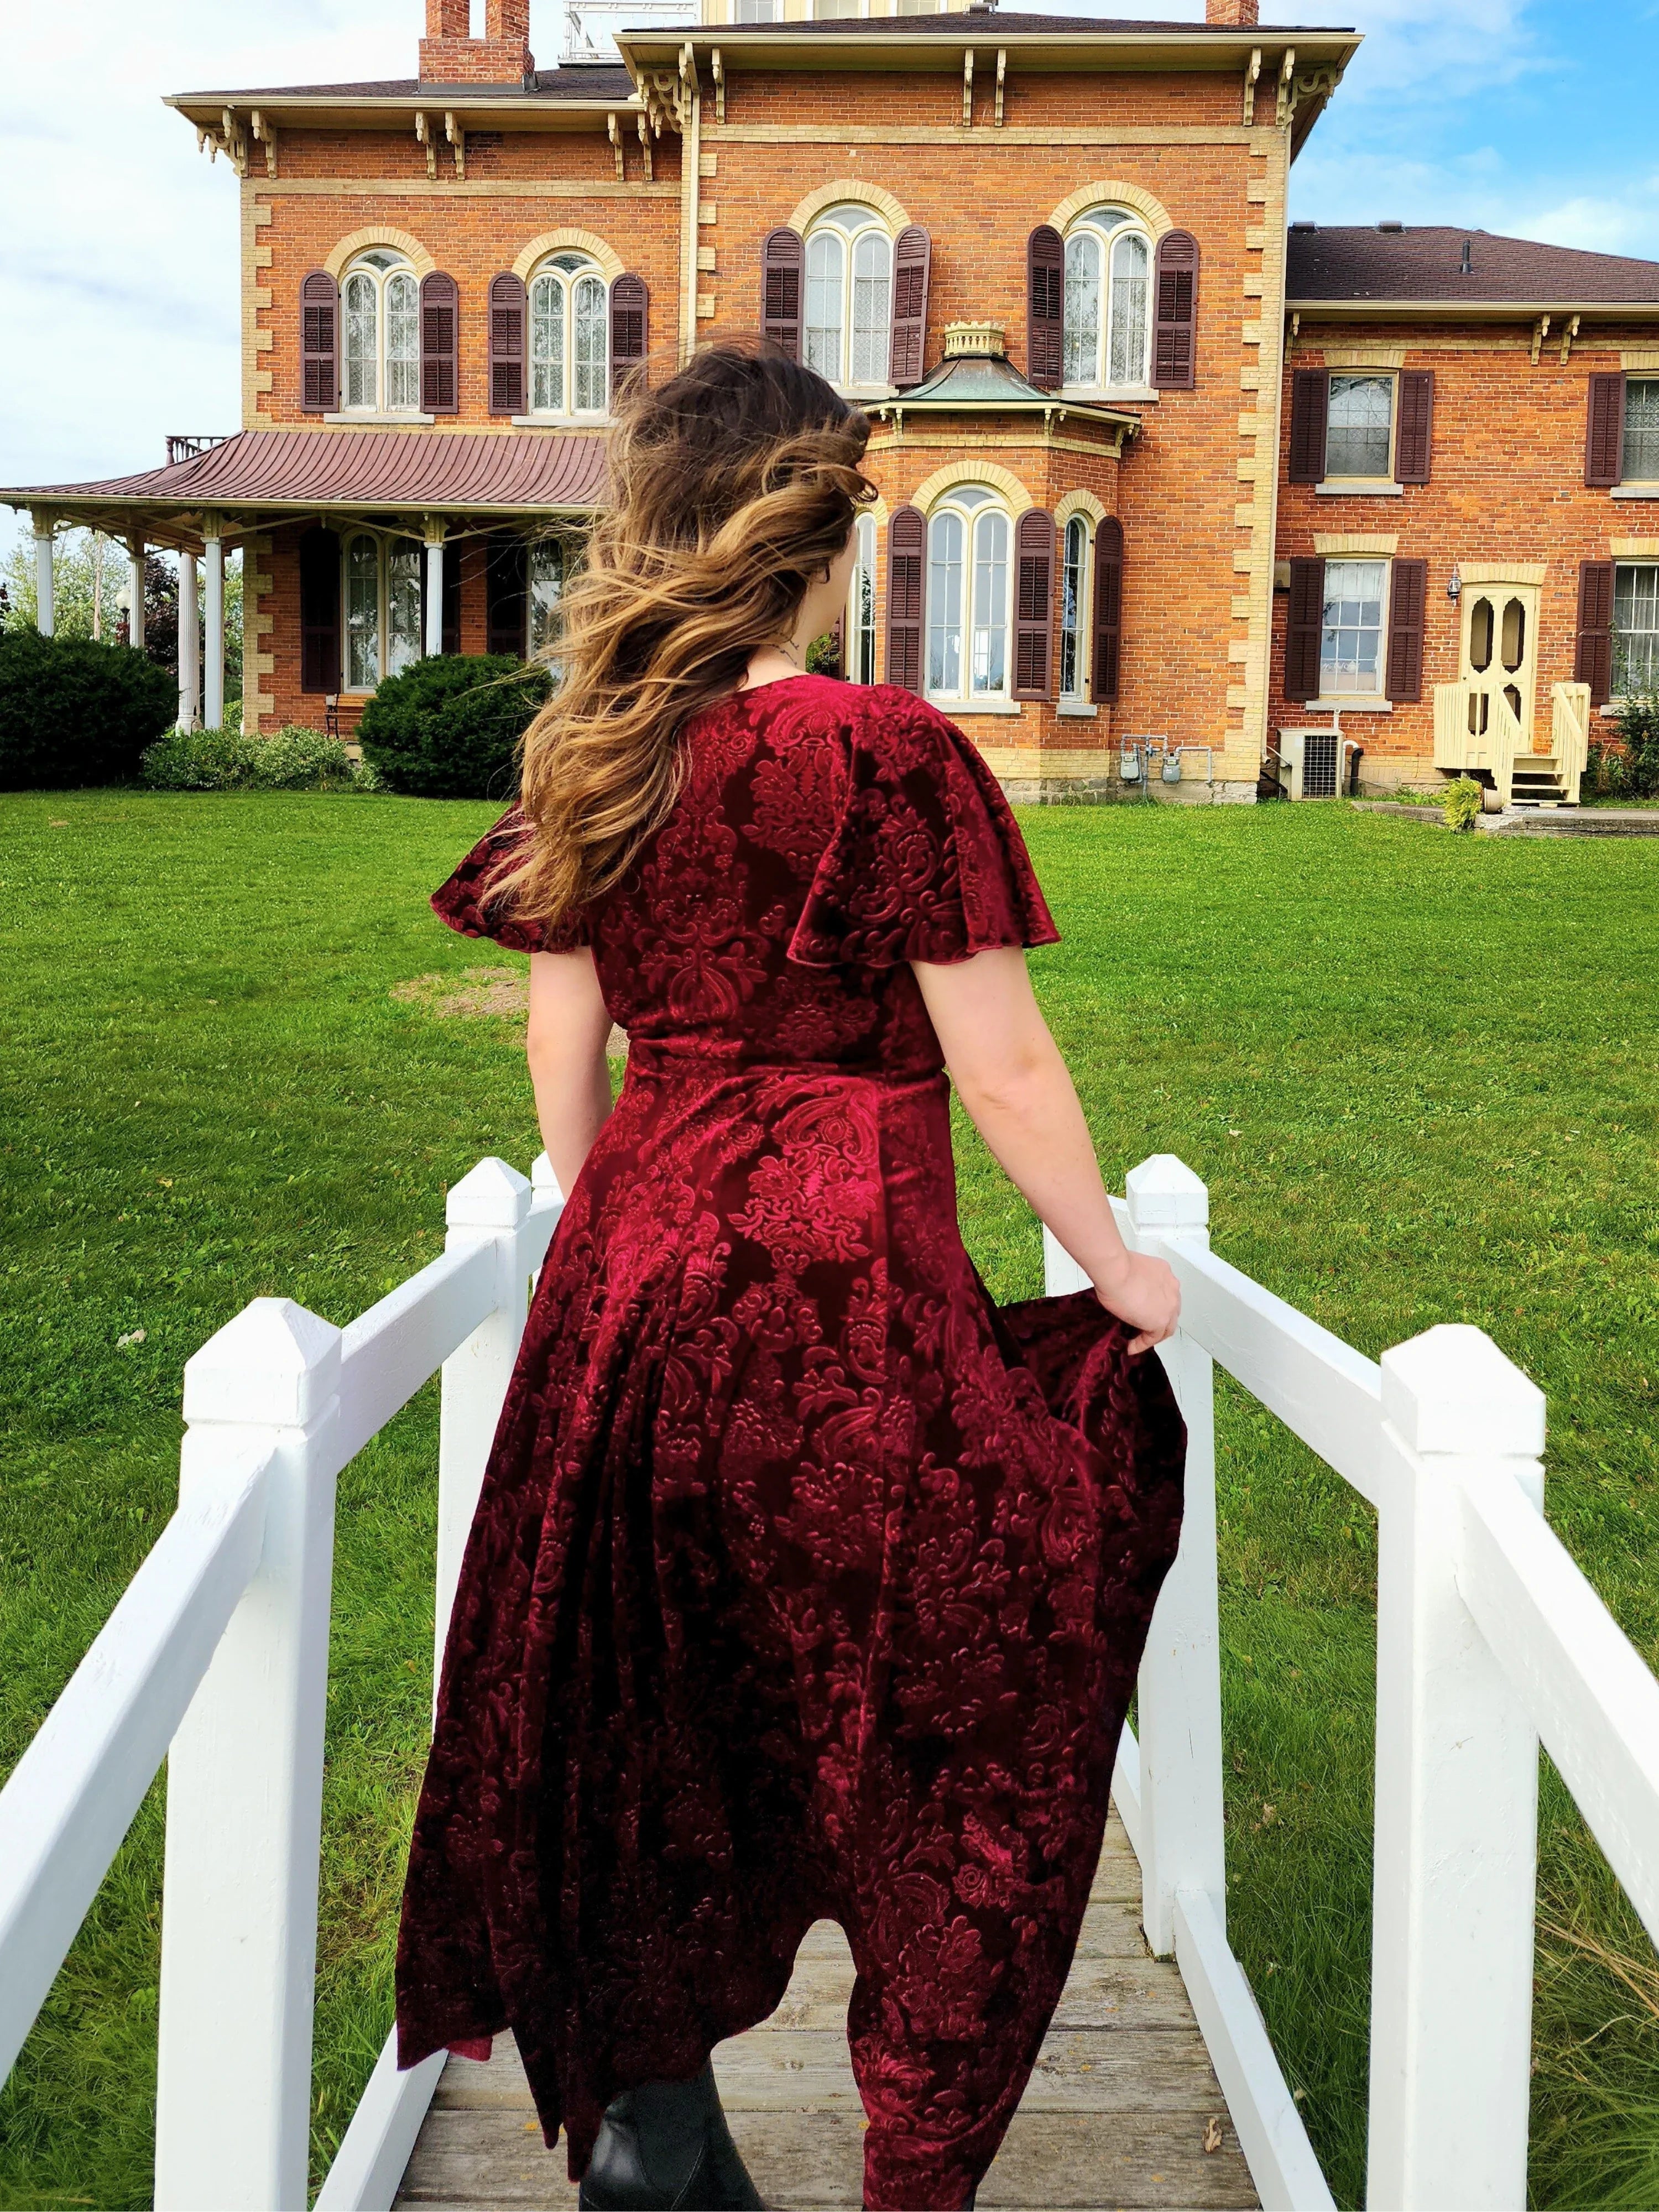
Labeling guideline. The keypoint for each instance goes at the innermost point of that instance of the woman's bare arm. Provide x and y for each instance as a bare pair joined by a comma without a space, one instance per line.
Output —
1010,1076
569,1027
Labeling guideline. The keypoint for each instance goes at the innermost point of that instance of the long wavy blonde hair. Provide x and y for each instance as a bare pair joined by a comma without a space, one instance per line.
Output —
733,486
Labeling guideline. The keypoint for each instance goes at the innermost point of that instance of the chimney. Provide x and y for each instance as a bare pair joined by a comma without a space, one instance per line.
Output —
450,56
1243,13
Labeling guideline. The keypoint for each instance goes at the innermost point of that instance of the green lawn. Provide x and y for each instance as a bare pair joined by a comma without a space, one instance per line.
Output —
1416,1072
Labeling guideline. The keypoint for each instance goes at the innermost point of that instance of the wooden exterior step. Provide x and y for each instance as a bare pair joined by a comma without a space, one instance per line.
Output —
1117,2113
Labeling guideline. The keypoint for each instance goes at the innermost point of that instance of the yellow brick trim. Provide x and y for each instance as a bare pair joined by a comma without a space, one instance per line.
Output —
378,234
1634,548
1365,356
1152,212
569,240
1504,572
1078,502
973,473
1640,359
858,189
1349,541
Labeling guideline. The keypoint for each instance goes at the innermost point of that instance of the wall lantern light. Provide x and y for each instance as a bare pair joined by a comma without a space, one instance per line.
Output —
1454,585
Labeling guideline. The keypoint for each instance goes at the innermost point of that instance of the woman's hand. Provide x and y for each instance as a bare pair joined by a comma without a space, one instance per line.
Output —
1143,1292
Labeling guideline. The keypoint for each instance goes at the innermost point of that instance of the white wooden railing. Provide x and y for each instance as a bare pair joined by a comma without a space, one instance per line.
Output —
1476,727
1570,723
1488,1639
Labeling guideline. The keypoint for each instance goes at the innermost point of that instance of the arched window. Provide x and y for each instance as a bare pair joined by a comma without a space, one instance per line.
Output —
1073,622
383,602
569,338
849,297
861,630
1108,286
967,540
381,298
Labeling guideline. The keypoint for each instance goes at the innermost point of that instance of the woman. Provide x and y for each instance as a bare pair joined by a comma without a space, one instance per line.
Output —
804,1583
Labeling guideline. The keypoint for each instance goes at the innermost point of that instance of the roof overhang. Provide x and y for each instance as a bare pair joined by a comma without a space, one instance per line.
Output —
475,108
1470,311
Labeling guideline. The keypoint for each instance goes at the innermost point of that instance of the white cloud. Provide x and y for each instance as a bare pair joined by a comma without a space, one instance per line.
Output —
1437,50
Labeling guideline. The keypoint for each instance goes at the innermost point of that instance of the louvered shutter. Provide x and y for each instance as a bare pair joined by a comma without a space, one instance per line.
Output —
1034,604
1593,661
320,347
507,595
319,610
1604,449
913,255
506,322
1174,335
439,344
783,266
1107,661
1414,443
630,333
1306,629
1045,294
907,547
1408,604
1310,408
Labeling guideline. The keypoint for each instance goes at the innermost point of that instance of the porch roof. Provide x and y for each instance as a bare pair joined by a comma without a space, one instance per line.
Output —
268,474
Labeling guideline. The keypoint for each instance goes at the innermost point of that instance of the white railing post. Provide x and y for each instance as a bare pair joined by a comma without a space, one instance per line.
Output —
1456,1799
490,1206
245,1783
1182,1842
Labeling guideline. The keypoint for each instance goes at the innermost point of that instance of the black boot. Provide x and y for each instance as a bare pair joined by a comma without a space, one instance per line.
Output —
665,2147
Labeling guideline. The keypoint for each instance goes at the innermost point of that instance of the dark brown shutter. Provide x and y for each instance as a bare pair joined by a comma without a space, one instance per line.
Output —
1593,662
1108,609
320,347
453,596
629,316
1310,408
1305,634
1175,337
320,610
506,322
440,376
507,595
912,256
1045,296
1034,604
783,271
1413,441
906,550
1408,605
1604,447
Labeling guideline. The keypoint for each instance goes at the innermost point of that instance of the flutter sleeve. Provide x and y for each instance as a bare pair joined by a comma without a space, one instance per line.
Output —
470,902
926,861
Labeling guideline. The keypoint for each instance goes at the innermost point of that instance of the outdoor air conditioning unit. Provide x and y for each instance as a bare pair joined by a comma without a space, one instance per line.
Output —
1312,761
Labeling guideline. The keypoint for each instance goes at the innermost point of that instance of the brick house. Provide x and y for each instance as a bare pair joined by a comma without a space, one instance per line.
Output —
1151,466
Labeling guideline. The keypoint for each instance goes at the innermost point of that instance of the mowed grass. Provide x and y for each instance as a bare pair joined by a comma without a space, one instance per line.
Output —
1417,1073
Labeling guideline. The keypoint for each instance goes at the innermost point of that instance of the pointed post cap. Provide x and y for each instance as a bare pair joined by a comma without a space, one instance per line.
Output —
542,1181
1163,1193
492,1195
1452,1390
276,1364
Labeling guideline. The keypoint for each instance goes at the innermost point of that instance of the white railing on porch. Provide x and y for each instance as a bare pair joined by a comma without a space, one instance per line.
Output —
215,1658
1476,727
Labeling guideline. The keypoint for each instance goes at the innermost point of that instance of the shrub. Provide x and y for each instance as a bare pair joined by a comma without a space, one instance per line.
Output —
298,759
295,759
199,760
1638,723
74,713
449,727
1465,801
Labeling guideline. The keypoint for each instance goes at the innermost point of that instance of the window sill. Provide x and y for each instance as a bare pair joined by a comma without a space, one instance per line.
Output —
365,420
1359,488
560,422
958,708
1077,708
1354,704
1636,491
1144,395
864,393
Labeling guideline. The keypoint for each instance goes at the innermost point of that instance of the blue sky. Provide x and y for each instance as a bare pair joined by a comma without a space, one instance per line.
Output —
118,261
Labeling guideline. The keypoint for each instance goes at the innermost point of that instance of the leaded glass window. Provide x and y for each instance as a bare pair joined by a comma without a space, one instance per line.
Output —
362,604
1359,434
380,300
1074,555
1104,324
1641,431
569,338
849,348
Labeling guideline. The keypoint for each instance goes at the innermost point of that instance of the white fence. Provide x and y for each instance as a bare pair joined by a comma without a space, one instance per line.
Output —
215,1659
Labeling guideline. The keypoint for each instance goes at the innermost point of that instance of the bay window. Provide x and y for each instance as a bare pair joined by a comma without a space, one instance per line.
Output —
967,543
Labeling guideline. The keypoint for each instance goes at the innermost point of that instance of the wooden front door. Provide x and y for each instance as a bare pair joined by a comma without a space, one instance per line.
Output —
1500,652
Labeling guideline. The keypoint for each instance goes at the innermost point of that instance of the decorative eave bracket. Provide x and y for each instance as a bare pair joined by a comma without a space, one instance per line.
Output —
1252,73
455,131
717,69
266,133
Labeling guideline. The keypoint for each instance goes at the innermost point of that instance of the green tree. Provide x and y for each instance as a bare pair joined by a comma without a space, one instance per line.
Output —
83,573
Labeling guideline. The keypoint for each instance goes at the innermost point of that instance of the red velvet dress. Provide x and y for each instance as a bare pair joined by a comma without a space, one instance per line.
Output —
804,1581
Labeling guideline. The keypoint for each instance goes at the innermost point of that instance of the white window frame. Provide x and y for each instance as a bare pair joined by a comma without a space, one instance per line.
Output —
978,514
1336,696
1350,376
1103,230
858,625
1076,692
377,271
758,11
563,275
1627,475
386,645
1620,570
854,230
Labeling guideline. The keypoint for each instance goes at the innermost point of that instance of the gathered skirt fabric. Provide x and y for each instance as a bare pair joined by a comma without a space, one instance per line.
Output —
805,1582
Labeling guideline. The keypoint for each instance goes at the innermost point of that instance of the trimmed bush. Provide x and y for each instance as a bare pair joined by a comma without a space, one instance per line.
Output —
73,713
197,760
295,759
449,727
1464,803
298,759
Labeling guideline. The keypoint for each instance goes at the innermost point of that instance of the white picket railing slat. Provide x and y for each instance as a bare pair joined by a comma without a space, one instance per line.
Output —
387,1354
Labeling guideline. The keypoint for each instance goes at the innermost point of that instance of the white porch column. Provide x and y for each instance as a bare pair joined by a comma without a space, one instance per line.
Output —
136,619
434,588
190,645
213,701
44,610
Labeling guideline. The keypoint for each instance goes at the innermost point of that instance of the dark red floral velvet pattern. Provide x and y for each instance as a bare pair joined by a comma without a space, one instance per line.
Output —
806,1583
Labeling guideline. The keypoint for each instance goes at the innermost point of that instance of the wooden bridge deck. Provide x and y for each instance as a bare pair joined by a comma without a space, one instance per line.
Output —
1122,2111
